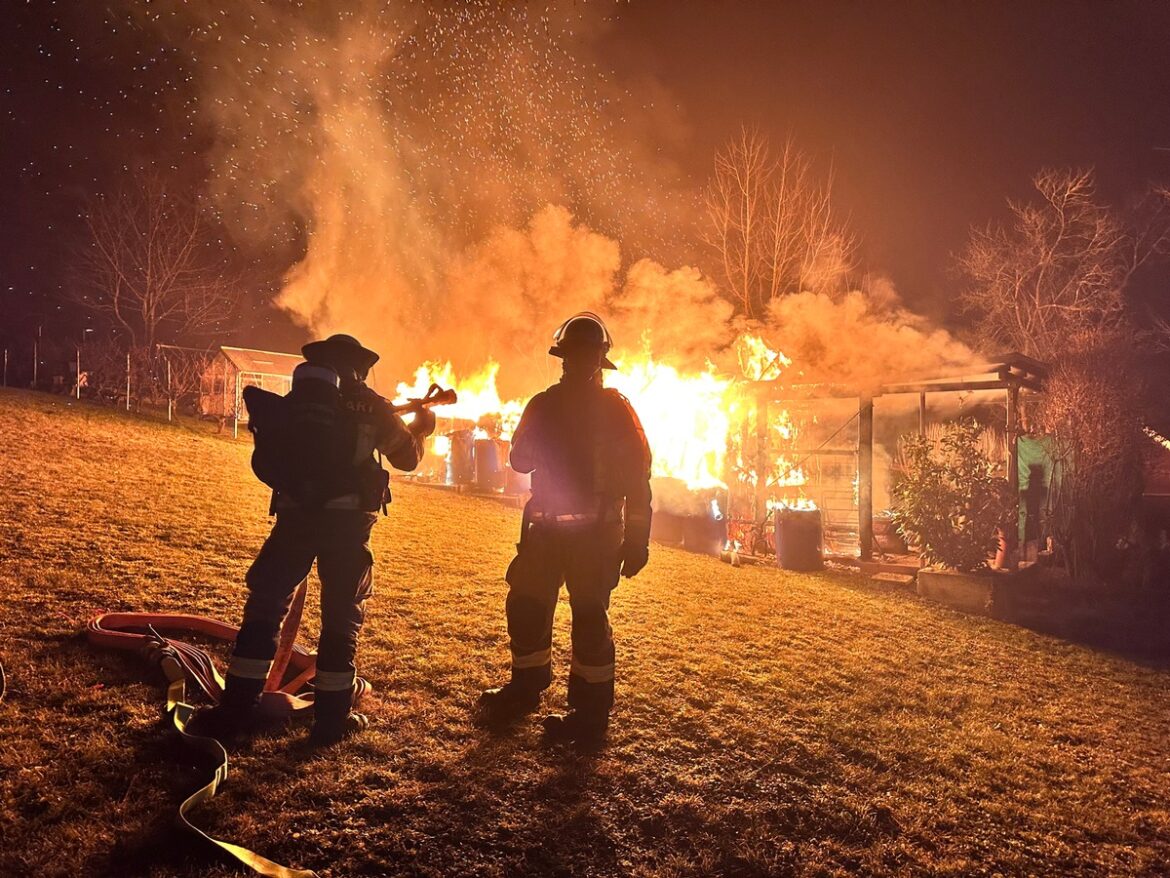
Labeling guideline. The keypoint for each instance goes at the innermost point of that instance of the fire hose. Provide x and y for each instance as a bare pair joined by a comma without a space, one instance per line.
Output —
182,663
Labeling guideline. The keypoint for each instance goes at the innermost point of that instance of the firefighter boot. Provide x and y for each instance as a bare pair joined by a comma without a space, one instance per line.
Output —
333,718
330,730
509,702
235,716
586,729
227,723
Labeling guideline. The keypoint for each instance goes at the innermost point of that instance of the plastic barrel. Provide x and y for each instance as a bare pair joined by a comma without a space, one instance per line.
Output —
489,468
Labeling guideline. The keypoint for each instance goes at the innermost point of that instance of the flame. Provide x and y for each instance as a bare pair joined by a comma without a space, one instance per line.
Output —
801,504
758,362
686,417
479,401
441,444
695,421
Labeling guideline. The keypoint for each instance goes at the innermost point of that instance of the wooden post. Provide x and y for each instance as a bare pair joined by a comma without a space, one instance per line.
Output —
1012,536
760,501
170,395
78,376
236,410
865,476
922,413
127,381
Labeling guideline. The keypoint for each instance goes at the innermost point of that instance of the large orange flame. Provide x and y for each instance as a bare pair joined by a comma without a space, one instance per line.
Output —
694,420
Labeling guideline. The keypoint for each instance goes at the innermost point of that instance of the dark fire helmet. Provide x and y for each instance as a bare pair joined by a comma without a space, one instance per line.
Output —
583,330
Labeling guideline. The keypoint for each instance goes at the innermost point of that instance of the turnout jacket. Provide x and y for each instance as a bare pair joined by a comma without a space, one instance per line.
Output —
588,455
374,427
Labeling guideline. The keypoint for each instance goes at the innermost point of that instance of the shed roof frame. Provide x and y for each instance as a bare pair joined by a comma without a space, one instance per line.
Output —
1011,372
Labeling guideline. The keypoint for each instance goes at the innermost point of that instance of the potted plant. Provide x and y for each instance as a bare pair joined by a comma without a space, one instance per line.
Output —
950,502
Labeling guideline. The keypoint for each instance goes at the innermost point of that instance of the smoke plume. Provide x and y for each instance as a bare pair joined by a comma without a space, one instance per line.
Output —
457,179
861,339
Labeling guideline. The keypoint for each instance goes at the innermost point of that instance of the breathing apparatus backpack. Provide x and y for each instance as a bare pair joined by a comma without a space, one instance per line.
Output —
305,440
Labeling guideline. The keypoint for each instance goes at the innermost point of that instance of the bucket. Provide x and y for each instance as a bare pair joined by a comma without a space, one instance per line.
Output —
798,539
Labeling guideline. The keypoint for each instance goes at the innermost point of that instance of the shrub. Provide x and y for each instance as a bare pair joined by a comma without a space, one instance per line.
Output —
948,499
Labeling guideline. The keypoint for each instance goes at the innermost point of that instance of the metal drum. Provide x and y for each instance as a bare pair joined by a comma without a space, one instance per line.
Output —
798,539
489,465
461,458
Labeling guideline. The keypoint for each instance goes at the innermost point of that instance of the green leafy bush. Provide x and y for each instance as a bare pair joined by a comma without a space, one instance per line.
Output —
948,500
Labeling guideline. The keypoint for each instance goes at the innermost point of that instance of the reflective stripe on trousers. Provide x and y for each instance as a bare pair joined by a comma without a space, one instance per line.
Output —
249,668
333,681
338,541
592,673
537,659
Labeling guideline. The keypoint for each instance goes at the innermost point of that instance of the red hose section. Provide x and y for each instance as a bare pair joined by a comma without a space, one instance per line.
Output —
133,632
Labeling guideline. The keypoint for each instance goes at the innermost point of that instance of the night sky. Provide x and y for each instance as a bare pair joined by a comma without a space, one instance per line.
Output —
931,115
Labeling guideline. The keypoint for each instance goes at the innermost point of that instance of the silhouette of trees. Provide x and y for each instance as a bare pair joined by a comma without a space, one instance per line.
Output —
152,266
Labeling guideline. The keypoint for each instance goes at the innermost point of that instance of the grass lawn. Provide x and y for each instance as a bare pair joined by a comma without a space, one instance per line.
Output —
767,723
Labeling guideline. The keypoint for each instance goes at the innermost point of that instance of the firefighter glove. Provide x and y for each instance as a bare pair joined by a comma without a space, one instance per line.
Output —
635,554
423,423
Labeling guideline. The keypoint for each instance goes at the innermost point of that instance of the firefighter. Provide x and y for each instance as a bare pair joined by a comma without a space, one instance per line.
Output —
319,457
586,525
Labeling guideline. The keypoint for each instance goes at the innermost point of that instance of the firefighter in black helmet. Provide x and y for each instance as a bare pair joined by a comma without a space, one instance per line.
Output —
316,448
586,525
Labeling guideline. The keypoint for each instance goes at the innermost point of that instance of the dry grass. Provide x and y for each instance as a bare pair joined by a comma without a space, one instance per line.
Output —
767,723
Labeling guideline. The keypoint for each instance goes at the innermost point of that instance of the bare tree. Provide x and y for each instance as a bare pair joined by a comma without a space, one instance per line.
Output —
772,225
738,210
1092,413
1056,274
152,266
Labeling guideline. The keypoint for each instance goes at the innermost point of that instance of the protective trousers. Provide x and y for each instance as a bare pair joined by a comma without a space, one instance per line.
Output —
339,542
585,558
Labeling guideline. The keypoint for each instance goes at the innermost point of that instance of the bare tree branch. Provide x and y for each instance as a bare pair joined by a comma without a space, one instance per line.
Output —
772,225
1057,272
152,267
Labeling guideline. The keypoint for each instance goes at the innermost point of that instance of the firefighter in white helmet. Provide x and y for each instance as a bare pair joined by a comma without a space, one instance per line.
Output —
586,525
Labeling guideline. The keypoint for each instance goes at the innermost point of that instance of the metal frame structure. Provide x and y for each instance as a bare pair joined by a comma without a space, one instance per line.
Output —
1011,373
